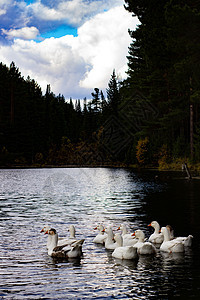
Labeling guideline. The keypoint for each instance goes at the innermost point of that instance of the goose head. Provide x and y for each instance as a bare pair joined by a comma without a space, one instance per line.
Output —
155,225
51,231
139,234
45,228
54,240
123,228
100,228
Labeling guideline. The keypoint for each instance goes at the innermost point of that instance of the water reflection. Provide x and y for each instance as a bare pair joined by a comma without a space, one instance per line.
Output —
86,197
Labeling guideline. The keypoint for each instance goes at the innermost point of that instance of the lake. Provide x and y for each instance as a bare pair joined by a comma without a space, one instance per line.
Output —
85,197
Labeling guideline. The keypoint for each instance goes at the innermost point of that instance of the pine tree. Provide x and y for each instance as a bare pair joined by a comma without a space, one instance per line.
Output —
113,95
96,100
163,66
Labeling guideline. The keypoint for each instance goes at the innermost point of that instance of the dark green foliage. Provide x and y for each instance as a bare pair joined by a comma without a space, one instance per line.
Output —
164,66
113,94
37,129
31,123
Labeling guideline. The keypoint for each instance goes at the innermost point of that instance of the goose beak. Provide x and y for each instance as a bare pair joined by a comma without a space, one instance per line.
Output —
118,228
103,230
149,224
46,232
133,234
95,228
42,230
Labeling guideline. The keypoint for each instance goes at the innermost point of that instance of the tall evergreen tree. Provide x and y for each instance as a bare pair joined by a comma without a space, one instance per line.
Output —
96,100
113,95
163,66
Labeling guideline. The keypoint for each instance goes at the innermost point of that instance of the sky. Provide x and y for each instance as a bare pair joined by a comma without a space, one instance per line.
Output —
73,45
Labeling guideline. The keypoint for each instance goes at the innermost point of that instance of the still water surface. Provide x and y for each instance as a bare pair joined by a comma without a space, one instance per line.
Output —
85,197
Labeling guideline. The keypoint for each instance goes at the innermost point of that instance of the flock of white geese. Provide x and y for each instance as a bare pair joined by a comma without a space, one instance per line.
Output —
125,245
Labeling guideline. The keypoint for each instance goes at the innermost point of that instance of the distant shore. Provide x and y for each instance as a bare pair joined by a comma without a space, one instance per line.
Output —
194,169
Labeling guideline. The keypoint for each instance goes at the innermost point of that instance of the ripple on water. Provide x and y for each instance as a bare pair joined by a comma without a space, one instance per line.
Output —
29,199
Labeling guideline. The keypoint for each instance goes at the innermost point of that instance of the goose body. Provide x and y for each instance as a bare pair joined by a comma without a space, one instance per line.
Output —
168,245
101,236
123,252
156,237
143,247
128,238
187,241
65,251
109,242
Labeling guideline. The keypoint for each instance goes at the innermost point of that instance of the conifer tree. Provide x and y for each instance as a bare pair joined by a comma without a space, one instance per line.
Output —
163,65
96,100
113,95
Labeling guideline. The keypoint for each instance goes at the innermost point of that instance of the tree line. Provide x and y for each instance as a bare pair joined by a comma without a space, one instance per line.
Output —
47,129
164,67
151,118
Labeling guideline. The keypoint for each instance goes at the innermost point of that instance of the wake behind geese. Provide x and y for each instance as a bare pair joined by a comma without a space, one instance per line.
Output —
65,251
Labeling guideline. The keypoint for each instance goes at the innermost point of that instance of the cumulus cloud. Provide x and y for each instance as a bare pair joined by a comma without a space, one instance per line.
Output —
25,33
73,66
73,12
105,47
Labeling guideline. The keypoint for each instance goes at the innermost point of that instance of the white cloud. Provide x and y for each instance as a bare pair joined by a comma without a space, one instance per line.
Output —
73,12
3,6
73,66
105,47
26,33
5,2
2,12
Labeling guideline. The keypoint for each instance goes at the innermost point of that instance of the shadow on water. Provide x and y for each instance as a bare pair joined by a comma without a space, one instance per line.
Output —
75,262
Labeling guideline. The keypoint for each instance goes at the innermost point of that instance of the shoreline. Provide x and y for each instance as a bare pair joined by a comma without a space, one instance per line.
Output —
194,169
160,172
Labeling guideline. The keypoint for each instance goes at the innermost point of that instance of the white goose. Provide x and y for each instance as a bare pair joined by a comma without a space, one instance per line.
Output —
168,245
187,241
65,251
156,237
128,238
123,252
61,240
101,236
109,242
142,246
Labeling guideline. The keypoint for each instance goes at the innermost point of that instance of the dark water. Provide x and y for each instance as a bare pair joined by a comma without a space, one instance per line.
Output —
31,198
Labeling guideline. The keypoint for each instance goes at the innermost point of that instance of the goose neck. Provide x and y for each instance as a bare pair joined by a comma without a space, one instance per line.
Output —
54,242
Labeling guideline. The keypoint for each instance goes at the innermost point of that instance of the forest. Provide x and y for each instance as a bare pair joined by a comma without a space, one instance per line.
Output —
150,119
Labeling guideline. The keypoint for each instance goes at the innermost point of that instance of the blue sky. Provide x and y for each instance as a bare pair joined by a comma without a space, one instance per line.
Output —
73,45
